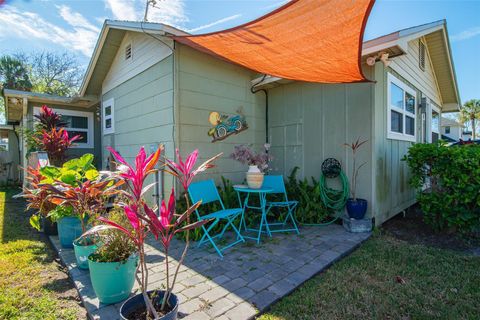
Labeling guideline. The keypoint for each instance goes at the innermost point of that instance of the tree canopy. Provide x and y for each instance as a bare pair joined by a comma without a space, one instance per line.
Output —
470,112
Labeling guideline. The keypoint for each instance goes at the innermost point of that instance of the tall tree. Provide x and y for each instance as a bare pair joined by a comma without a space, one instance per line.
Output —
471,112
14,73
55,73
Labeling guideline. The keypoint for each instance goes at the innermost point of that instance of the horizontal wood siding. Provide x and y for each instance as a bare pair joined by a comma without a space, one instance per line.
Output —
143,113
311,122
408,67
146,51
207,84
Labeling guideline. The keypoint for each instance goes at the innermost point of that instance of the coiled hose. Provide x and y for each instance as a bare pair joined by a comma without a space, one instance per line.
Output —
332,198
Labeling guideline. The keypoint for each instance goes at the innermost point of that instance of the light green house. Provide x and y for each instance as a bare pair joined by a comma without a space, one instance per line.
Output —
143,89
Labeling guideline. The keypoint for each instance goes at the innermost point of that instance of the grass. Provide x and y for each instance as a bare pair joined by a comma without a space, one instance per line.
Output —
32,286
387,278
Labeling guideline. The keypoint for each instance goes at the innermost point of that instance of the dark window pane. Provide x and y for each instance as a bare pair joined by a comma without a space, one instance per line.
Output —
396,96
108,123
410,103
83,136
397,122
76,122
410,125
108,110
447,130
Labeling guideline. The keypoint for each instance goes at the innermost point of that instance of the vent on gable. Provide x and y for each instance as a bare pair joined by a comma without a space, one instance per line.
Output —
128,51
421,54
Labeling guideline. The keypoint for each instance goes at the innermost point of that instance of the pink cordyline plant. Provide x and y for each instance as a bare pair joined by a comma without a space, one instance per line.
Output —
144,220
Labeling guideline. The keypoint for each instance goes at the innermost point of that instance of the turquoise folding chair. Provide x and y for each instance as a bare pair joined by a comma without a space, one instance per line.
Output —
277,184
207,192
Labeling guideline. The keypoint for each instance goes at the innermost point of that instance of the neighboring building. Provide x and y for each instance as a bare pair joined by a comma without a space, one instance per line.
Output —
147,89
451,130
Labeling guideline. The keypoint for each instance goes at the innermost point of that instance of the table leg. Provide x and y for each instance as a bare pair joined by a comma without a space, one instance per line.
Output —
263,204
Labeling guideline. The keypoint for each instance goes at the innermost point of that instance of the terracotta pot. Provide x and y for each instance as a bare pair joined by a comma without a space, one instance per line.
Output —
254,177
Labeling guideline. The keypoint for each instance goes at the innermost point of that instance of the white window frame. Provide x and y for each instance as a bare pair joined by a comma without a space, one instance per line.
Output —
438,111
396,135
89,130
108,103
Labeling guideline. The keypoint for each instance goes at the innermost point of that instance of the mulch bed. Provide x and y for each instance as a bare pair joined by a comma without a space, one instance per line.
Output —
411,228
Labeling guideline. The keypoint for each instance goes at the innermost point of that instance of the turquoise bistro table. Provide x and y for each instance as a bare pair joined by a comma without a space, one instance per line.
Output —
262,194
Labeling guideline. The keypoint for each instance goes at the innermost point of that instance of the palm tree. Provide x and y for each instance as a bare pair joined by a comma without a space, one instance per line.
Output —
14,74
471,112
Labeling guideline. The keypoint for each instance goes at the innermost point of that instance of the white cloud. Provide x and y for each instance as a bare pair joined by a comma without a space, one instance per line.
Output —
171,12
220,21
28,25
123,9
466,34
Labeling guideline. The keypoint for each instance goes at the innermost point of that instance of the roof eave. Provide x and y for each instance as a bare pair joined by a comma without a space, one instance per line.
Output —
136,26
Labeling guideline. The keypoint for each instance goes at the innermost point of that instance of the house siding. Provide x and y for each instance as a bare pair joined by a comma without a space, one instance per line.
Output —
206,84
143,114
309,123
146,52
407,66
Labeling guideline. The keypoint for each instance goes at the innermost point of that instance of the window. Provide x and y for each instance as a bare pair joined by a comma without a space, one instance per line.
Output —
128,51
421,54
108,123
447,130
77,123
401,119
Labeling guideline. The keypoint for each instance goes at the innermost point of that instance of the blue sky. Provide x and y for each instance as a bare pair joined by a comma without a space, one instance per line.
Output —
73,25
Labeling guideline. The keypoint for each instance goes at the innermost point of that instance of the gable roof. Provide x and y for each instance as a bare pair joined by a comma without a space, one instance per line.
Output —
107,46
438,44
447,122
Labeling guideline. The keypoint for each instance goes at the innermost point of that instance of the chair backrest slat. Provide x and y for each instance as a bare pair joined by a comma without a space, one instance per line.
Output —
275,183
204,190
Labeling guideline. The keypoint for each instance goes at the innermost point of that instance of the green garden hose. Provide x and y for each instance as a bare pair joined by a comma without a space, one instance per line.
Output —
332,198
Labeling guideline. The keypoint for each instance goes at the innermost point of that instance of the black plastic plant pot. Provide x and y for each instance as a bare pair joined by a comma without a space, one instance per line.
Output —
49,227
356,208
136,305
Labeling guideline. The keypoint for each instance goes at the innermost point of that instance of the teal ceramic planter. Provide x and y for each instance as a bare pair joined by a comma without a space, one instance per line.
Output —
82,253
113,281
69,229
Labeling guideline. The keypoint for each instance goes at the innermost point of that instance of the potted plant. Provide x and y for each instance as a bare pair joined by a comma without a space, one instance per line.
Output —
257,162
156,304
79,186
356,207
114,264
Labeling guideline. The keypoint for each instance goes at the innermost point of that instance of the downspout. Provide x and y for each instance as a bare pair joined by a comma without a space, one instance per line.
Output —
253,90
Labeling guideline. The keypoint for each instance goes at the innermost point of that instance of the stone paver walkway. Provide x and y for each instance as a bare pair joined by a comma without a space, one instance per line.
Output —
245,282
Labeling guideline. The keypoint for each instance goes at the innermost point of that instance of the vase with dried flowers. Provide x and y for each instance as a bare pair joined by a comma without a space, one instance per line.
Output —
258,163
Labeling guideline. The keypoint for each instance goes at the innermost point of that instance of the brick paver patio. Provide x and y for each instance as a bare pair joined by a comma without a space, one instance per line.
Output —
249,278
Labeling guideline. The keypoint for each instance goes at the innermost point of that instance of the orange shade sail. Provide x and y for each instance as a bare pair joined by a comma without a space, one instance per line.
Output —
305,40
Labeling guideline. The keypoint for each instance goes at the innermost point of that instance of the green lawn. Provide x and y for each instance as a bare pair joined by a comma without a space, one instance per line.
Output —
32,286
387,278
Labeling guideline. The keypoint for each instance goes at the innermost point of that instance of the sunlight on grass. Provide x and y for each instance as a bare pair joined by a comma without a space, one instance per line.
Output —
389,279
26,269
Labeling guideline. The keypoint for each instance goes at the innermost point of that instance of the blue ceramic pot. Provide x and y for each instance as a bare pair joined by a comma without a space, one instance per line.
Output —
82,252
356,208
69,229
136,303
113,281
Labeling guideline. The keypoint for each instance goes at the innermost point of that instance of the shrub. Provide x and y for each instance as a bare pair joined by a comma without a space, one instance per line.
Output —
448,180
